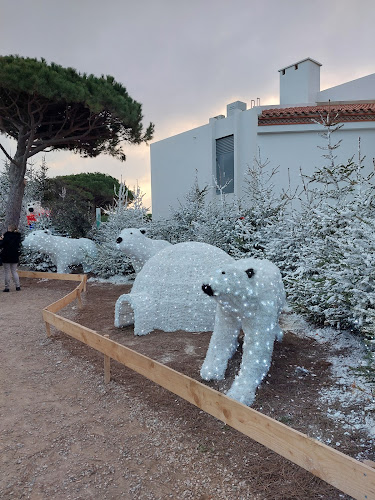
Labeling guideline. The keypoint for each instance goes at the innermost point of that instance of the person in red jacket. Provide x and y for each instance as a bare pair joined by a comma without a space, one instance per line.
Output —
10,245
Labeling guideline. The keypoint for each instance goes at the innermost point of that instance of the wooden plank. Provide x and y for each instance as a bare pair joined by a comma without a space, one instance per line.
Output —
61,303
67,299
343,472
107,367
51,276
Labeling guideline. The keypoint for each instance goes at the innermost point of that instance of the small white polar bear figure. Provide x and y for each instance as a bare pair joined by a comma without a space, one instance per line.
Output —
135,245
64,252
250,295
167,293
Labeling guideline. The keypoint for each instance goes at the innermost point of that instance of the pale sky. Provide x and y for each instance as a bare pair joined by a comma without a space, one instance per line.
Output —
186,60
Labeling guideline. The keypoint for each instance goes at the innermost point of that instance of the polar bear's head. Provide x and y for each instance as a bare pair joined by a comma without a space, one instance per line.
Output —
247,286
34,207
234,287
36,239
131,238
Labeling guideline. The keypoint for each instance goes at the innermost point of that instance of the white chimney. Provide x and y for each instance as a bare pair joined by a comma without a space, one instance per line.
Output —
300,82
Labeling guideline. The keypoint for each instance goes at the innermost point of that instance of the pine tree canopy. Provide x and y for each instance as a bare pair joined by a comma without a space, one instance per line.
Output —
46,107
97,188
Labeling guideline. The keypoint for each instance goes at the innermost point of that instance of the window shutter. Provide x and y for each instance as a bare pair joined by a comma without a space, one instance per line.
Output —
225,145
225,164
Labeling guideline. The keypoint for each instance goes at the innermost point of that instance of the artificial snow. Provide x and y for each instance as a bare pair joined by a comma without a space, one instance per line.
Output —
64,252
117,279
249,295
350,390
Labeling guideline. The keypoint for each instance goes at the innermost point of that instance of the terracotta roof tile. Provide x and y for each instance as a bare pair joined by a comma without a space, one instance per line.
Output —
305,114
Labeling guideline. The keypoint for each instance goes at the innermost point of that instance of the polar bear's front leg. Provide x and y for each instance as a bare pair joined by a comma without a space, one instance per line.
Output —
62,267
86,266
256,360
223,345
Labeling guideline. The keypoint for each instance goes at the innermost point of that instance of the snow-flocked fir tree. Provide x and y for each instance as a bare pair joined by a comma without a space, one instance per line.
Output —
263,215
333,281
110,261
199,219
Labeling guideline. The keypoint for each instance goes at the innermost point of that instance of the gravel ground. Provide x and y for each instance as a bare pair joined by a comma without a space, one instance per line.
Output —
67,435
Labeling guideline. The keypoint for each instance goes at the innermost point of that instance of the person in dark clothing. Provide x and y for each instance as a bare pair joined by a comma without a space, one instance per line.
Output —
10,245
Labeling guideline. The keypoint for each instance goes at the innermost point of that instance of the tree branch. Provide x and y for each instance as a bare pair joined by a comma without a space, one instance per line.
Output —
9,157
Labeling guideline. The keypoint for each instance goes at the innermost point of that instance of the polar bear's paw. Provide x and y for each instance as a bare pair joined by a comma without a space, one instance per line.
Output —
209,372
242,395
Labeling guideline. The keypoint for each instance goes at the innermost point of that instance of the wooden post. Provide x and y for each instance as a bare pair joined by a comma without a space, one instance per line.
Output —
79,298
48,328
107,366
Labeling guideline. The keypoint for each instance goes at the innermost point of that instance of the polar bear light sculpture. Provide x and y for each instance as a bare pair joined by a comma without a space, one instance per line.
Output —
64,252
167,292
135,245
249,294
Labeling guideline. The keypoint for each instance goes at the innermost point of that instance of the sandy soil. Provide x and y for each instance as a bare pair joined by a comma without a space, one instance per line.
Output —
67,435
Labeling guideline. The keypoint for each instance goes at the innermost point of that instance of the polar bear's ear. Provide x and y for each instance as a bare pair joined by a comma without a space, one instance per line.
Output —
143,231
250,272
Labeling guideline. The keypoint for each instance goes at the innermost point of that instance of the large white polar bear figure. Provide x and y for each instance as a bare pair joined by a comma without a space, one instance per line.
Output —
167,293
64,252
249,295
135,245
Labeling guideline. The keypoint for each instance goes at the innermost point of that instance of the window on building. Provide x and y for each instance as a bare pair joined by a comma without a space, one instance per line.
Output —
225,164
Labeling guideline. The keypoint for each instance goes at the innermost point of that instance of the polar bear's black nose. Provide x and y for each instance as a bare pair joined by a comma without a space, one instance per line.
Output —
119,239
207,289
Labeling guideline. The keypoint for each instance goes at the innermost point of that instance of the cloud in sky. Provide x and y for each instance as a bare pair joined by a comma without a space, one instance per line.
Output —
185,61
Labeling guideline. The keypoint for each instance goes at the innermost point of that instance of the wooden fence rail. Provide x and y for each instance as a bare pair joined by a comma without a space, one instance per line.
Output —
352,477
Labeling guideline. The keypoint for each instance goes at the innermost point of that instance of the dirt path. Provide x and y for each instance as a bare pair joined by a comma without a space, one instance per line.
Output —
66,435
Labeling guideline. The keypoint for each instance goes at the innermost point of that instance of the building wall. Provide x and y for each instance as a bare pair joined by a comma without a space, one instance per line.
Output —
174,164
243,125
176,161
362,89
296,148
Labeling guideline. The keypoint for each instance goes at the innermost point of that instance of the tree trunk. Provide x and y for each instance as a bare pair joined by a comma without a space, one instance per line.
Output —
17,185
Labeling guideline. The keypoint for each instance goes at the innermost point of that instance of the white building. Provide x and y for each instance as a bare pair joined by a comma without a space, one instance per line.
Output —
285,134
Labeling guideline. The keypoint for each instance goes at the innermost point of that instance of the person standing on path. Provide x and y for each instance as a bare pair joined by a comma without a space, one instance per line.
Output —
10,245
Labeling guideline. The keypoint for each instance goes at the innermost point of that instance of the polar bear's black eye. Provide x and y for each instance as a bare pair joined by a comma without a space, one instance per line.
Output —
222,272
131,233
250,272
